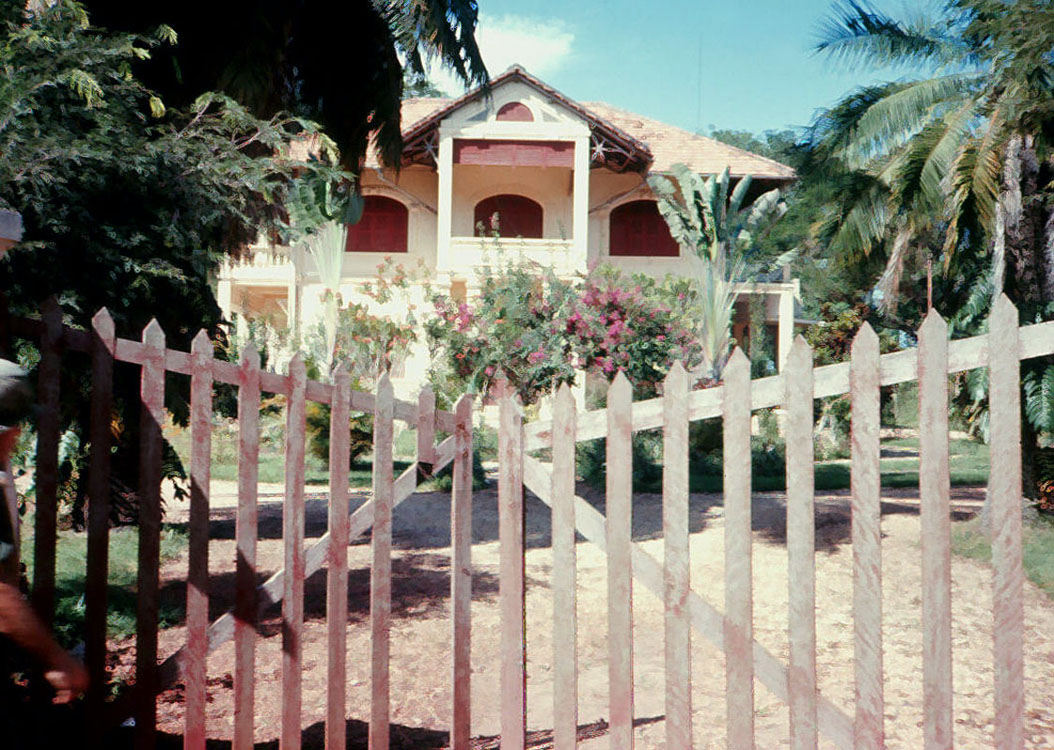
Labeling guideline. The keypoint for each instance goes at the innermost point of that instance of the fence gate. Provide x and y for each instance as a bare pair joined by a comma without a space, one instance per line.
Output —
812,715
687,609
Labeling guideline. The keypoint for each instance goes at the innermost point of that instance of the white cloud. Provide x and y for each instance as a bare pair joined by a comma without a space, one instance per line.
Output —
542,46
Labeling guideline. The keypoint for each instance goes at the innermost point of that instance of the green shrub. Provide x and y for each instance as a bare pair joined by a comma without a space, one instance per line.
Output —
318,423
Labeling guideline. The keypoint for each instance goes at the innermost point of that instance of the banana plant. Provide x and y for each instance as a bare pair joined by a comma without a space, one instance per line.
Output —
326,248
720,233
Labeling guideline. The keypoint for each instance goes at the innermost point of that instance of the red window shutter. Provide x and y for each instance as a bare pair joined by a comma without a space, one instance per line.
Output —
638,229
515,112
382,228
511,215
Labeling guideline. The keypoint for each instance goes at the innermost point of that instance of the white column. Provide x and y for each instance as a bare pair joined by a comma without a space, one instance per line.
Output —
446,200
580,205
786,325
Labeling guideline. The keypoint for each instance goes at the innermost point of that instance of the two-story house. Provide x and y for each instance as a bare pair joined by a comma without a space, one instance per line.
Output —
566,181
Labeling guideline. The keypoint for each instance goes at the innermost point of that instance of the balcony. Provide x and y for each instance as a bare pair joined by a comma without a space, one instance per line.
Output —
261,264
469,253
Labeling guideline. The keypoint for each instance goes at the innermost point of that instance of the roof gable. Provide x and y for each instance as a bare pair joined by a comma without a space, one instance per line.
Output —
621,140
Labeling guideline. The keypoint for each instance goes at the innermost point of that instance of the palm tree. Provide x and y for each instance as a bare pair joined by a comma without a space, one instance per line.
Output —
946,164
951,149
339,64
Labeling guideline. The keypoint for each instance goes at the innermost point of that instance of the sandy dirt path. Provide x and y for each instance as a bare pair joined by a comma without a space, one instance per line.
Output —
420,637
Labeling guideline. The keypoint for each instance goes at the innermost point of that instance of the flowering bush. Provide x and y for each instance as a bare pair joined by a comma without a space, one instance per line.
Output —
538,330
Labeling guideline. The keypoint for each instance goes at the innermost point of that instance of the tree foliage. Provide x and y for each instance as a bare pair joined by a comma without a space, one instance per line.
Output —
340,64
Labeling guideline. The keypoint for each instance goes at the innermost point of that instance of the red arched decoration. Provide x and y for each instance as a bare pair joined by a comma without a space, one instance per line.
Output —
382,228
509,216
515,112
637,228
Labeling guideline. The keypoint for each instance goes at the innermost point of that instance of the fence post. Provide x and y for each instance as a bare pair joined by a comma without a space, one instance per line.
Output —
245,604
801,545
620,569
381,569
935,497
47,471
739,627
461,575
1004,488
293,538
676,557
565,632
511,571
337,556
198,546
103,342
868,732
152,416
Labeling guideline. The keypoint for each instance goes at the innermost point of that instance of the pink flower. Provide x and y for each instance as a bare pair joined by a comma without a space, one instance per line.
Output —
535,357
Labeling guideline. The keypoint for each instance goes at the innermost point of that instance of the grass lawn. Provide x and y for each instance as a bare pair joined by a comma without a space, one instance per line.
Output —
70,562
968,463
969,541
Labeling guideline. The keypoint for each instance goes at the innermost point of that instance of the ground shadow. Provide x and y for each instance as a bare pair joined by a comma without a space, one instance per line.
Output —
401,737
420,588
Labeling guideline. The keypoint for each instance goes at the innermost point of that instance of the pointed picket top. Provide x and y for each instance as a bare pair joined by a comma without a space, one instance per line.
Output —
201,344
153,334
426,395
250,357
341,378
800,355
102,322
564,398
463,406
620,387
296,364
384,387
1003,317
737,364
50,309
676,379
865,342
933,325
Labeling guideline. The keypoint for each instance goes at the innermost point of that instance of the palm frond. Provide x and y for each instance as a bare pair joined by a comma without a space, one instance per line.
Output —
973,187
890,121
922,174
859,36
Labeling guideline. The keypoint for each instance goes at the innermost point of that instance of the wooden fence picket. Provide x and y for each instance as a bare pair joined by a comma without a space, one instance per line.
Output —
801,546
676,556
45,530
152,416
511,572
1004,492
563,582
245,604
293,541
739,628
381,567
461,575
198,544
868,731
98,554
337,573
619,502
935,498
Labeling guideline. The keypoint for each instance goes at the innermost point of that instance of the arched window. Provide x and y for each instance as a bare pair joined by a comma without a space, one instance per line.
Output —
382,228
638,229
509,216
515,112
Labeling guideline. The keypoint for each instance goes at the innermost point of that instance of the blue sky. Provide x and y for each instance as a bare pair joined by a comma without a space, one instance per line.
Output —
758,69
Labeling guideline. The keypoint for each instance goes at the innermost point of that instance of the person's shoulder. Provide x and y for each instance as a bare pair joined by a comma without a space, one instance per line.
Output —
16,395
